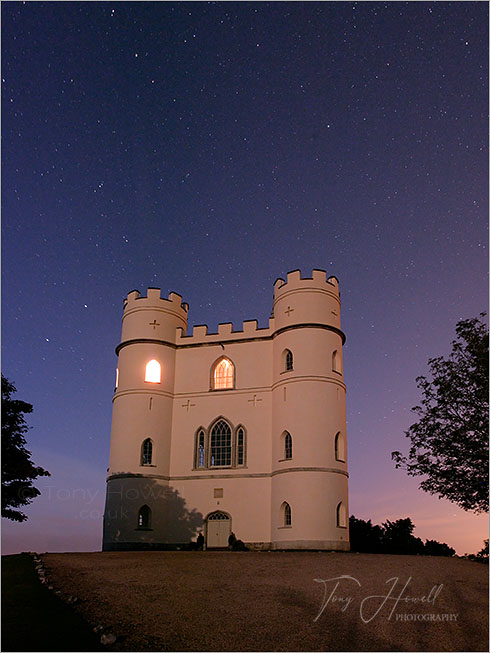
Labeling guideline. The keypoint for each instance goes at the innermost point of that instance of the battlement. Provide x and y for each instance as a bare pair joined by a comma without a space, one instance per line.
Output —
320,304
294,281
153,298
226,332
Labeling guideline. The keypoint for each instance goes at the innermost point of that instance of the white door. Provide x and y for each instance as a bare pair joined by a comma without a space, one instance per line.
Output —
219,529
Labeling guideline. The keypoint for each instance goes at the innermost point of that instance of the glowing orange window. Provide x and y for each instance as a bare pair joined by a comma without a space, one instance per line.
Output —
223,375
153,372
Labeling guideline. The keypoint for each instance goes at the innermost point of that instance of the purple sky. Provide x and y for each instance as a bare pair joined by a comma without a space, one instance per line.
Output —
208,149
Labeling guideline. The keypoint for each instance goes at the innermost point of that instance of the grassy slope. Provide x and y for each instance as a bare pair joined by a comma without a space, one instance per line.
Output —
34,618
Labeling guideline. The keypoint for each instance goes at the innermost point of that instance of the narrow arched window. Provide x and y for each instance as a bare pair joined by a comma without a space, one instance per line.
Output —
288,446
220,454
240,447
146,452
339,447
286,514
153,372
341,517
223,376
336,361
117,377
144,517
288,360
200,451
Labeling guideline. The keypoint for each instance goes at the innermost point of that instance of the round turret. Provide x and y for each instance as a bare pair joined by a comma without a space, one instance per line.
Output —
153,317
308,413
314,300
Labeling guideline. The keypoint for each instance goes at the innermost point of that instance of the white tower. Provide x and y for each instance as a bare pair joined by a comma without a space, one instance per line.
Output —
142,419
308,409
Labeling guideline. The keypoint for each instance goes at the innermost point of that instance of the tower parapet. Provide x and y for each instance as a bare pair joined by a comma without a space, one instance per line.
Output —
226,333
310,300
153,317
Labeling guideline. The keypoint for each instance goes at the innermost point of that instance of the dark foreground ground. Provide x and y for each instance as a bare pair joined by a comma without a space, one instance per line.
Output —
232,601
33,617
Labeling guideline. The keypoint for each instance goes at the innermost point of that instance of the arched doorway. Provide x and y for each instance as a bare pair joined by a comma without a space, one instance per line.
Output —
218,530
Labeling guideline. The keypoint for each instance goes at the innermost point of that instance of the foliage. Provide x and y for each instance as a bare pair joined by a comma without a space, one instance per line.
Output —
482,555
435,548
392,537
18,470
364,537
398,538
484,551
449,443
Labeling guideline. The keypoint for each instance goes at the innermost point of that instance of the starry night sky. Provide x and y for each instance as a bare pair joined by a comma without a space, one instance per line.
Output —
207,149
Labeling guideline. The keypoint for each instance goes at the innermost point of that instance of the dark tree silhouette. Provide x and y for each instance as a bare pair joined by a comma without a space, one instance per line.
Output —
398,538
392,537
483,553
449,443
435,548
364,537
18,470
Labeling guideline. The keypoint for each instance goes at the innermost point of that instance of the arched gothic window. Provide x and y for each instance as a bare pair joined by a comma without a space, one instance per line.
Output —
336,361
220,454
288,446
288,360
220,445
146,452
223,375
240,446
153,372
200,449
144,517
286,514
341,517
339,447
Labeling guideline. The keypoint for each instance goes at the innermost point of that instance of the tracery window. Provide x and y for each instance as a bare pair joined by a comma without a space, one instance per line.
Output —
286,513
218,516
146,452
288,446
220,445
288,360
223,376
153,372
220,450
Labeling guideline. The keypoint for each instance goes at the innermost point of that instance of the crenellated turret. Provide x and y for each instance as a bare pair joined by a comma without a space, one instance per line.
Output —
314,300
153,317
308,410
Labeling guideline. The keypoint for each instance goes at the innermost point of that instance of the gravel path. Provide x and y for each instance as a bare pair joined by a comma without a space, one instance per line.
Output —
232,601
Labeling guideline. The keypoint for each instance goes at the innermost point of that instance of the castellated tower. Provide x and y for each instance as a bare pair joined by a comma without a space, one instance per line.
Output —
239,431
